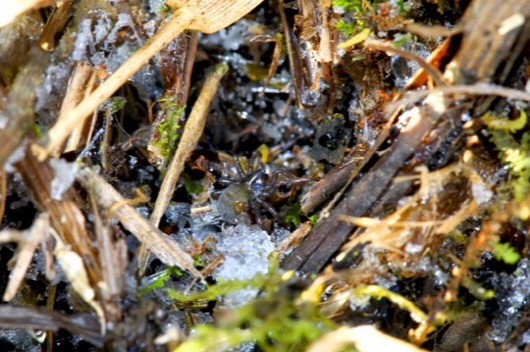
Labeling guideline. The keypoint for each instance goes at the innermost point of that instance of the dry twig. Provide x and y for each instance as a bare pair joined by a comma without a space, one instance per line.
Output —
164,248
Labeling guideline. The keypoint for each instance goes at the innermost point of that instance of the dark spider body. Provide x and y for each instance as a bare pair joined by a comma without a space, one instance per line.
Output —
254,190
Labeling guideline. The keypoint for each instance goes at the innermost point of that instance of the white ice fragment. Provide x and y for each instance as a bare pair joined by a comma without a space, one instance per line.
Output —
64,177
178,214
359,302
150,28
245,249
413,248
481,193
15,157
124,20
3,121
102,28
83,40
156,6
280,234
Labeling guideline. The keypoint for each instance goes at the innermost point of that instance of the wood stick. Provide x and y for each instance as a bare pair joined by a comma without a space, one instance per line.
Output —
158,243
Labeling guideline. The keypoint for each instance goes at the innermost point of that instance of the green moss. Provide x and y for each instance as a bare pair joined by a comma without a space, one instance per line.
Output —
292,214
117,104
477,290
37,130
513,151
350,5
357,22
168,131
256,72
192,187
158,280
278,320
505,252
402,39
314,219
347,29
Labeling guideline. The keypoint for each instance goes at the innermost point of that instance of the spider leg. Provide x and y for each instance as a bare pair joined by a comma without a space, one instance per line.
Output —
269,208
255,208
239,168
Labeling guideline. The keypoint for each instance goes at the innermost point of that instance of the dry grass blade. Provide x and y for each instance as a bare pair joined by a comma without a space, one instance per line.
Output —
366,338
213,15
61,130
113,260
11,9
81,83
27,244
208,16
56,23
3,192
65,215
75,269
165,249
431,70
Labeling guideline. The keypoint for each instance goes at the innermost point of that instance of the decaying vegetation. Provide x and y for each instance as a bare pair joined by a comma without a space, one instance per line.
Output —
265,175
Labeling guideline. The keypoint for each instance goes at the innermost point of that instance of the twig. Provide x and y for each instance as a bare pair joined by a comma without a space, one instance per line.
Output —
79,85
165,249
431,70
55,24
27,244
3,192
190,137
44,319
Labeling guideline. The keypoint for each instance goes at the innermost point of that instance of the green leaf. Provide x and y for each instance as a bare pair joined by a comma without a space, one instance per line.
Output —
192,187
293,213
158,280
505,252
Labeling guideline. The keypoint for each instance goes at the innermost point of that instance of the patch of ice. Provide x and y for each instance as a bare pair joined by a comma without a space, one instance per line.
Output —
15,157
156,6
102,27
178,214
64,177
3,121
413,248
481,193
232,37
83,40
512,294
124,20
245,249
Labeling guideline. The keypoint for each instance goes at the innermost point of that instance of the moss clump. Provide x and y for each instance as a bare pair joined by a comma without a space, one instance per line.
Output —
167,133
513,151
356,22
278,320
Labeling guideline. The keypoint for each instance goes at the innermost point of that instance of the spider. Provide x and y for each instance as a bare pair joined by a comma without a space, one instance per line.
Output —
253,191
